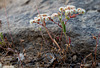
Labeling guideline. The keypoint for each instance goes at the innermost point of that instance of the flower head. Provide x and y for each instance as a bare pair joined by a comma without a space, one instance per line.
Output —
47,18
67,12
75,10
43,18
71,11
54,15
61,9
38,19
35,18
83,11
42,15
80,10
32,21
69,7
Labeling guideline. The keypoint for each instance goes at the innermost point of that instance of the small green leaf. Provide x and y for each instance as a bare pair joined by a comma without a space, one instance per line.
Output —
63,26
67,18
40,29
59,18
1,43
1,35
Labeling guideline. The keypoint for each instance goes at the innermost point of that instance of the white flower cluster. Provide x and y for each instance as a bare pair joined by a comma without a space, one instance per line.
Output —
43,17
71,9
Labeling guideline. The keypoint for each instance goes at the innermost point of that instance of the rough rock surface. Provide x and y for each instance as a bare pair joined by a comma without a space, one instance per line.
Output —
80,29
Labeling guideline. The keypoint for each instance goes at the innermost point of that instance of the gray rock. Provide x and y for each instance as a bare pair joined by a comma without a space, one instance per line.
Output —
80,29
48,59
86,4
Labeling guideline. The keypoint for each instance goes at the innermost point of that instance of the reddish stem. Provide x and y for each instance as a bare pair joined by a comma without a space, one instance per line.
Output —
8,24
55,23
66,22
69,40
51,36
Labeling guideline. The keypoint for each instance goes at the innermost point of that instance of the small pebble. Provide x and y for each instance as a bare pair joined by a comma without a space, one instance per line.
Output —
74,58
6,66
98,10
87,65
0,65
21,57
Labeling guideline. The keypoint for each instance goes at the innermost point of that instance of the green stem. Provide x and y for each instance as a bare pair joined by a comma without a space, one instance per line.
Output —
66,37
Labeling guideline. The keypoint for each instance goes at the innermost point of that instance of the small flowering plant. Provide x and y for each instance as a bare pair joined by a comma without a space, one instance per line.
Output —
68,12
